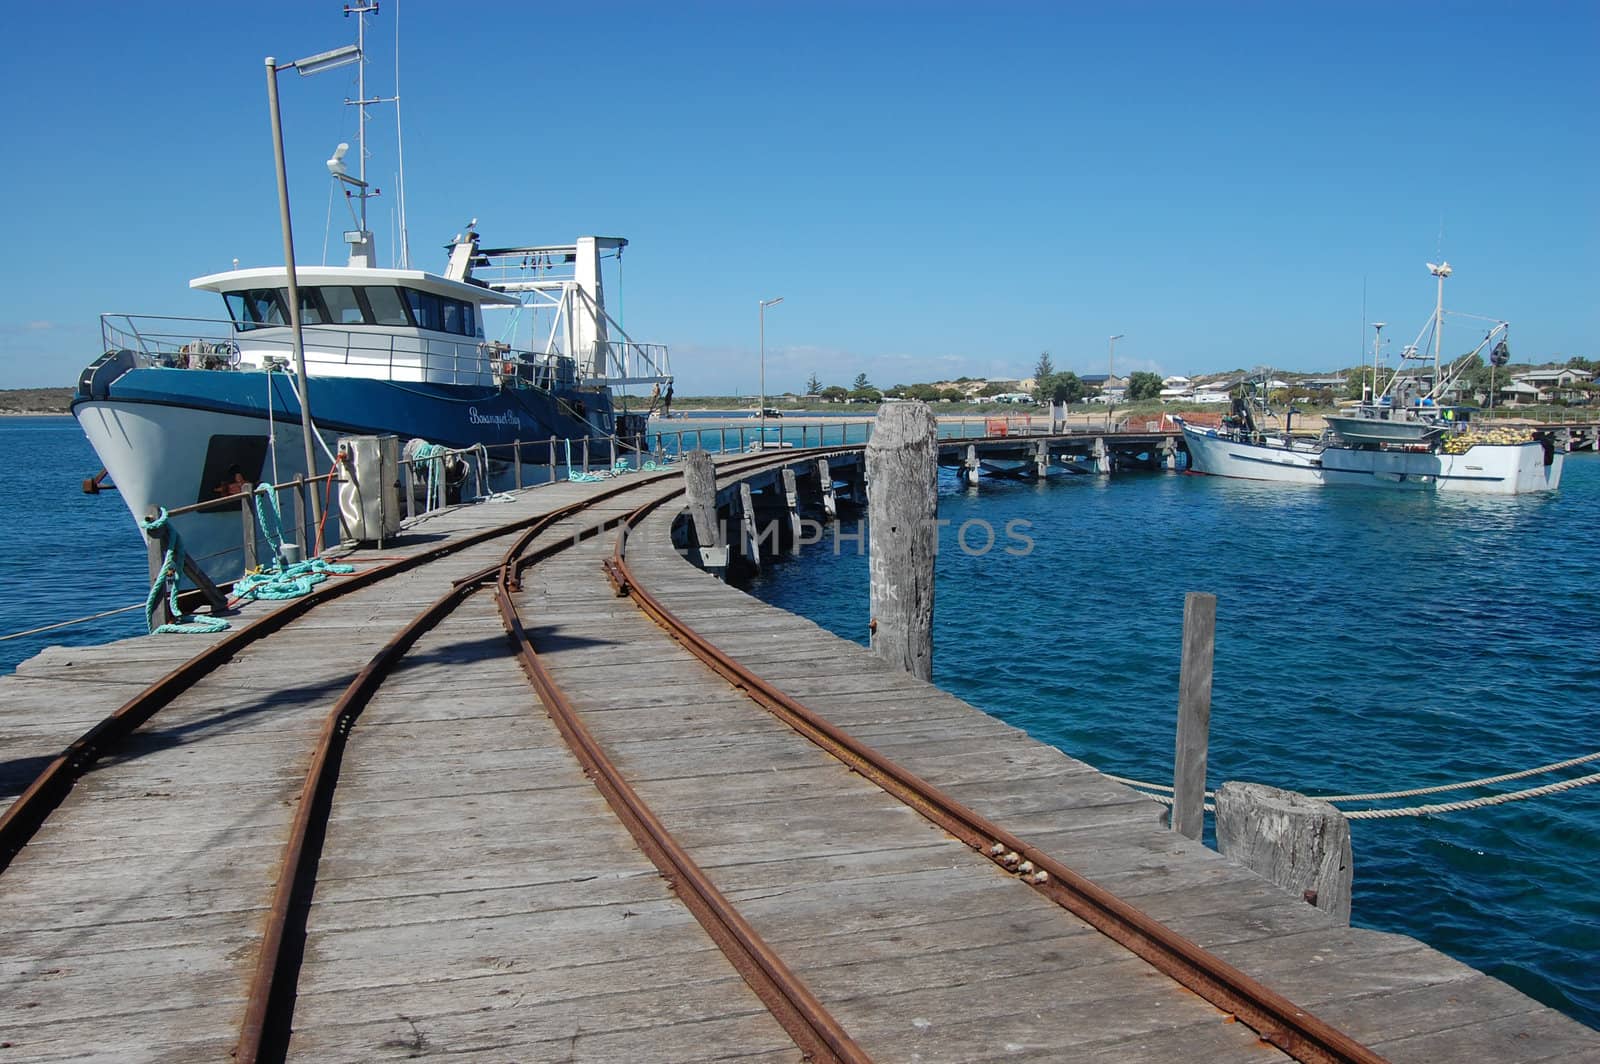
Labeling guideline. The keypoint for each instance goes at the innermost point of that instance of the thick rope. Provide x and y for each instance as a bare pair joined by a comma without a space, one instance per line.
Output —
1485,781
1475,803
1163,794
167,581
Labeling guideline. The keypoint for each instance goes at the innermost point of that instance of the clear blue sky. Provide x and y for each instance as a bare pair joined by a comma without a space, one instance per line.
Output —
935,188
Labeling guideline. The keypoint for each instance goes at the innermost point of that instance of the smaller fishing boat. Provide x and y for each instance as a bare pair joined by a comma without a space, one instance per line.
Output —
1406,438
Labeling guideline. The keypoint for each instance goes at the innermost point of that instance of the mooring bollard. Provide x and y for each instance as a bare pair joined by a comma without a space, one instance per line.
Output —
902,505
1300,843
700,497
1194,714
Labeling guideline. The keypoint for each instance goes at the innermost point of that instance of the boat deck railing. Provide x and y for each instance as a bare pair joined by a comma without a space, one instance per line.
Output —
201,343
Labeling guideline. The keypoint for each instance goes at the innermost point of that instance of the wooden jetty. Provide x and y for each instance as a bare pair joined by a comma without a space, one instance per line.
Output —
558,794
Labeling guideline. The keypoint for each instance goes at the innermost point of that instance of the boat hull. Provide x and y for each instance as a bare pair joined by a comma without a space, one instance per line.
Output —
175,437
1485,469
1214,453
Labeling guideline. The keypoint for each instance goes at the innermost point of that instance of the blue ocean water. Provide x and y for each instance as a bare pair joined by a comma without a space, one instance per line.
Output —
1366,641
63,554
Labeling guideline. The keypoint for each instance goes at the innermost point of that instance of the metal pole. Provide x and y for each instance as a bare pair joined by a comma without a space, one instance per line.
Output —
294,298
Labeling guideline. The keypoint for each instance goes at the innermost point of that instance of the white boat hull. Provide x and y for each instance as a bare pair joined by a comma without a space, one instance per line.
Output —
1486,469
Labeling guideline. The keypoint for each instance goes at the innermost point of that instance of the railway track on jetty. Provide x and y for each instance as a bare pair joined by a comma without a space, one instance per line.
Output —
391,876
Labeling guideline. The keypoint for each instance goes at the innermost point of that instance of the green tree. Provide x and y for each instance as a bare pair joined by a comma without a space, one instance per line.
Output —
834,393
927,393
996,387
861,383
1066,387
868,394
1044,367
813,385
953,395
1144,385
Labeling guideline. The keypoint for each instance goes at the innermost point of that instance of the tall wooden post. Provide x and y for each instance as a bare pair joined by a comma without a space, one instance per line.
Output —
970,467
1299,843
1194,714
750,538
516,462
157,556
902,504
552,459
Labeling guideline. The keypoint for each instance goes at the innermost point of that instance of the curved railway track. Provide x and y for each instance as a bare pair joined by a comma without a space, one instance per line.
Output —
269,1008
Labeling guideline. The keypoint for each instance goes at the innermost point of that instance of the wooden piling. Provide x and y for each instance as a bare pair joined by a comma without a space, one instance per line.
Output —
830,502
1299,843
902,498
516,462
1194,714
749,537
791,499
970,467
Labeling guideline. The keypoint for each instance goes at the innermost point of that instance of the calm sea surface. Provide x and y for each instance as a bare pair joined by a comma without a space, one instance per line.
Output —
1364,642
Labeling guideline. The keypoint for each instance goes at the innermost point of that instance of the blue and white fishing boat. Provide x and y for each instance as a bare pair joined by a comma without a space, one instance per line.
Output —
182,411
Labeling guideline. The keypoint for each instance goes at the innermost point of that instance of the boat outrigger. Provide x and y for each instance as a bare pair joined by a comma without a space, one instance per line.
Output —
183,411
1406,437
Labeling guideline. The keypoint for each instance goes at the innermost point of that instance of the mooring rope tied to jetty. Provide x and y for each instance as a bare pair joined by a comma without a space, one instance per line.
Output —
1164,793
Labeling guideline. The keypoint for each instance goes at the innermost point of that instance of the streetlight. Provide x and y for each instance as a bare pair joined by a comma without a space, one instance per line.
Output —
761,410
313,64
1111,361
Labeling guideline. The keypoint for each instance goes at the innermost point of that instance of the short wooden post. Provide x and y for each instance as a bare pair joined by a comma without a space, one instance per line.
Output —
902,504
586,454
552,459
970,468
1041,458
791,499
156,553
298,494
1194,714
1299,843
750,541
247,512
830,502
516,462
700,498
1102,455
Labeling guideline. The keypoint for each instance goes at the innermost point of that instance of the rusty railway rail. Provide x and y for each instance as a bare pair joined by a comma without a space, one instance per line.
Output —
1276,1019
265,1030
269,1005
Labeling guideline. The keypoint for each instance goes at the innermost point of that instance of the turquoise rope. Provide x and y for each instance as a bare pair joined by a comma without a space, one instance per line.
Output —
287,582
167,579
273,532
431,457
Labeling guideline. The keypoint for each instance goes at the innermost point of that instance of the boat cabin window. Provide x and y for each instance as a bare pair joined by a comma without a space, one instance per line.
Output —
259,308
311,312
256,308
442,314
387,306
343,307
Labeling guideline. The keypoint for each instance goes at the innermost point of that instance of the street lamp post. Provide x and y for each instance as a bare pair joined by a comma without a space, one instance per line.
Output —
1111,361
761,410
338,57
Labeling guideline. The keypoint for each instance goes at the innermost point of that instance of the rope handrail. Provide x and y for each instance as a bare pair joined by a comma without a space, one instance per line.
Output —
1162,793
